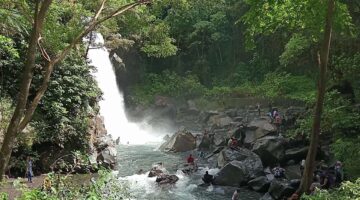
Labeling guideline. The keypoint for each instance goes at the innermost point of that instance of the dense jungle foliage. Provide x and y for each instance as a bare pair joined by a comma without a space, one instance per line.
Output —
231,48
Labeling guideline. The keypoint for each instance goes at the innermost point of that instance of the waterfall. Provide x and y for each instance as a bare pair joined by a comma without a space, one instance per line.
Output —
112,105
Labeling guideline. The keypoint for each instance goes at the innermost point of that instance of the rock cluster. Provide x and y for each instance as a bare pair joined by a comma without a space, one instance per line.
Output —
261,147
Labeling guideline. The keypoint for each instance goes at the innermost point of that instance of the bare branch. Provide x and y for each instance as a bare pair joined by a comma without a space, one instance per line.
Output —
99,10
43,51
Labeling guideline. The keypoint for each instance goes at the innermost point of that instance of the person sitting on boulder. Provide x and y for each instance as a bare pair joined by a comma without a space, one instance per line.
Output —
278,172
208,178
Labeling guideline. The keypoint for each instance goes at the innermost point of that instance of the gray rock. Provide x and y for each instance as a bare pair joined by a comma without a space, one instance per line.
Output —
181,141
292,172
107,157
260,184
279,189
227,155
231,113
266,196
219,121
237,173
205,143
270,149
296,154
103,142
258,128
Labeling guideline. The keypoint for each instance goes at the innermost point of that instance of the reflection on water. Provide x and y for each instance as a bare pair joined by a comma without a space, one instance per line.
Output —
133,158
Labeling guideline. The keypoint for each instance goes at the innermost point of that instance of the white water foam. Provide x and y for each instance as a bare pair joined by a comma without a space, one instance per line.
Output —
112,106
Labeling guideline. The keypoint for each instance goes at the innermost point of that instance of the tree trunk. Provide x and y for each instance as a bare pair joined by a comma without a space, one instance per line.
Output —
323,62
13,127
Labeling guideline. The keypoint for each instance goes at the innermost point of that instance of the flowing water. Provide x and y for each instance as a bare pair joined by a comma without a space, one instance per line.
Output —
142,152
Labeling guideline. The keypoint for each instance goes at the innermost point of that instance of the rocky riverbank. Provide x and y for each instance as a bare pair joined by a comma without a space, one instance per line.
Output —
262,146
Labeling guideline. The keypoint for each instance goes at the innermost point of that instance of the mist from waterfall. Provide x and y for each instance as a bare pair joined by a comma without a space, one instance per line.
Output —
112,106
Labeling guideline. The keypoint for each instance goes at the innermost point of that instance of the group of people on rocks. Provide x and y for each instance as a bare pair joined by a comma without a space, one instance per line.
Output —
324,177
327,177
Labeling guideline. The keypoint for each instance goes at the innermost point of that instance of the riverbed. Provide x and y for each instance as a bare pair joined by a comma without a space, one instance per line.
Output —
133,158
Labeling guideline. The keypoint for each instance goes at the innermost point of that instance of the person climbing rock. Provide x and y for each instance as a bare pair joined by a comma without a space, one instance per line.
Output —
207,178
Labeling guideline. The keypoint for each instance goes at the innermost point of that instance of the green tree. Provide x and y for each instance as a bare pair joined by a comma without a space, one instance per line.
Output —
25,107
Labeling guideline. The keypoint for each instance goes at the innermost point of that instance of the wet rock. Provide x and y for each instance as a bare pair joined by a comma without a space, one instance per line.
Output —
258,128
181,141
260,184
270,149
227,155
167,179
280,188
155,172
266,196
237,173
166,138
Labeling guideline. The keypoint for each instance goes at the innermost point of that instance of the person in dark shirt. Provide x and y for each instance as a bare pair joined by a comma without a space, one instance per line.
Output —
208,178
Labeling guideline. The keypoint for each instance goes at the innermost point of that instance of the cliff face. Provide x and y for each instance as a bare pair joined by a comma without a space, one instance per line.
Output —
102,151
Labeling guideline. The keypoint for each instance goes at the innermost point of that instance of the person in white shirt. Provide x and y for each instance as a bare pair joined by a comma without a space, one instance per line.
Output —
236,195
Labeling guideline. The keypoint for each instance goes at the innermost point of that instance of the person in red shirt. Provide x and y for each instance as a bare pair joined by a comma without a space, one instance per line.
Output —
190,160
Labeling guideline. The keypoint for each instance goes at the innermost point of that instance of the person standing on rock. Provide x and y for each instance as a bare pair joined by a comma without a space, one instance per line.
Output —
258,109
190,160
236,195
29,171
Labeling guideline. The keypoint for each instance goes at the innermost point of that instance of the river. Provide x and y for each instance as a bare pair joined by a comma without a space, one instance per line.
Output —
132,158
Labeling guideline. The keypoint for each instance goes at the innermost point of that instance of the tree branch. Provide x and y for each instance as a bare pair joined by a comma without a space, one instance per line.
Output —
99,10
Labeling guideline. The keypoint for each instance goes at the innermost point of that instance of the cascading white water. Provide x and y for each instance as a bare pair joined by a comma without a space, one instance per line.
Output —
112,106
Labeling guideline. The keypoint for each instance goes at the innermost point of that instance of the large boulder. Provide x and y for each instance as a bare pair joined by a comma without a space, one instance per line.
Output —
280,188
237,173
260,184
227,155
220,137
205,143
296,154
219,121
292,172
271,149
258,128
181,141
107,157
